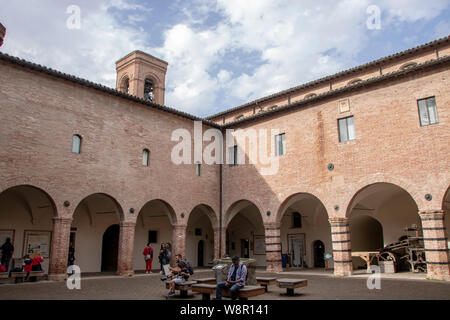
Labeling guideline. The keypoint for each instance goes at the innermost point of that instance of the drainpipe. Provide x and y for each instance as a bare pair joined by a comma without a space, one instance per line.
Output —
220,212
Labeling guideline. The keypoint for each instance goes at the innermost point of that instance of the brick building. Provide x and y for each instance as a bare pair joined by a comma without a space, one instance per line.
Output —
362,154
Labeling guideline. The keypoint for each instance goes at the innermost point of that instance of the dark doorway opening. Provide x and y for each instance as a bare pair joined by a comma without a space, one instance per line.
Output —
319,253
245,253
110,248
200,249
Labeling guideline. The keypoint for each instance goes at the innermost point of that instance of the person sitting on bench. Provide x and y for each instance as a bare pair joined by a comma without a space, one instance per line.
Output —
181,274
235,281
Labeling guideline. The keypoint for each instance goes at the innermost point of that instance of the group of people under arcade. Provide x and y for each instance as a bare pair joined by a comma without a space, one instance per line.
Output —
29,264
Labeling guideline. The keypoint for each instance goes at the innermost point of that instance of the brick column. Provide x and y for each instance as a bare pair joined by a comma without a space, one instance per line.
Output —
126,248
435,241
342,252
178,241
217,234
59,248
273,247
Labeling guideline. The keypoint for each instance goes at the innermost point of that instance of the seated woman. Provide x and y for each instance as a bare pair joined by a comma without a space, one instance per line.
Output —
36,261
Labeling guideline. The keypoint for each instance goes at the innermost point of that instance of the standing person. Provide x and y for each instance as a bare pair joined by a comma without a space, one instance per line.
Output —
235,281
148,256
168,253
7,252
71,257
161,257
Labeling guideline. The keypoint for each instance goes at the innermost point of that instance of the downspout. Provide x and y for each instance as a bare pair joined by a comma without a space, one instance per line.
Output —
220,212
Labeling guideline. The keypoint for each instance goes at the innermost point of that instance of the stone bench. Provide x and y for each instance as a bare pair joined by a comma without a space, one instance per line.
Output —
206,281
265,281
291,284
205,289
246,292
183,288
20,275
208,289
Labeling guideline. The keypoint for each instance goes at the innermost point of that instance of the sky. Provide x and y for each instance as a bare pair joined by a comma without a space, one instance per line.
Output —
221,53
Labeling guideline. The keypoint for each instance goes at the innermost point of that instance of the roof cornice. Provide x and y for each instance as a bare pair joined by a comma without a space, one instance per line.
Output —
348,88
336,75
86,83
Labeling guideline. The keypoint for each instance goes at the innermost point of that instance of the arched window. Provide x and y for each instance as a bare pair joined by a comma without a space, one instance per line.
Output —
408,65
76,143
296,220
149,90
145,157
125,85
311,95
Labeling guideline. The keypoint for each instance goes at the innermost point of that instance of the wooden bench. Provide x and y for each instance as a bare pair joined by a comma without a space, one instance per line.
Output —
4,275
206,281
183,288
20,275
265,282
291,284
205,289
246,292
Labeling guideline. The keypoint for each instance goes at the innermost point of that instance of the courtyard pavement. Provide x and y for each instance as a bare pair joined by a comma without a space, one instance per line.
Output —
320,287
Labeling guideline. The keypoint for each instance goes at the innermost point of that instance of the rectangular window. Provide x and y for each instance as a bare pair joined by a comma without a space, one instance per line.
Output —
427,111
346,129
197,169
280,144
153,236
232,155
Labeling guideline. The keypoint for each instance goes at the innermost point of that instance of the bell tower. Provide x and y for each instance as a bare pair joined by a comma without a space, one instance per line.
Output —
142,75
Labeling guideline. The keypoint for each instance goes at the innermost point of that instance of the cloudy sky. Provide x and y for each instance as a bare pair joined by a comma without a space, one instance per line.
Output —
221,53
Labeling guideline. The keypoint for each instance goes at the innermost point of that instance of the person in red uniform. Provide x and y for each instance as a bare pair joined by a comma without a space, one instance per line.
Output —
148,256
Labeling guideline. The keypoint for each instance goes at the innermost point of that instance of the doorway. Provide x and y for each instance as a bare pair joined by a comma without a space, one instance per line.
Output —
110,248
319,253
200,248
296,250
245,253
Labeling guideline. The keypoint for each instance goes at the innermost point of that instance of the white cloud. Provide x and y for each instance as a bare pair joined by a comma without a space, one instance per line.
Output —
39,33
221,51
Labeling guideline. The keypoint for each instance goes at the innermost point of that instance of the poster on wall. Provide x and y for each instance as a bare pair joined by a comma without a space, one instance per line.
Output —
37,240
6,233
260,245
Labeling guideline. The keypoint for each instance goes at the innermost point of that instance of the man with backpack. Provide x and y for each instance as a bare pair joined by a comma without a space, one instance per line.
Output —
235,280
181,273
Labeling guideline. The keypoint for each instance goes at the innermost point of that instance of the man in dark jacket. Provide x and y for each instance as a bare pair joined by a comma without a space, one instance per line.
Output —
7,252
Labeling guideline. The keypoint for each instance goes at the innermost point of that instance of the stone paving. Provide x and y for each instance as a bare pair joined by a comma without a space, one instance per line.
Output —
143,286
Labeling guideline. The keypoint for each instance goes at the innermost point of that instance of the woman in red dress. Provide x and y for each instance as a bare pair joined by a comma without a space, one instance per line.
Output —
148,256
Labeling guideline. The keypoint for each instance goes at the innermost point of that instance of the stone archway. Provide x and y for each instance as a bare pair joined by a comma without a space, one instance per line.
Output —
26,217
